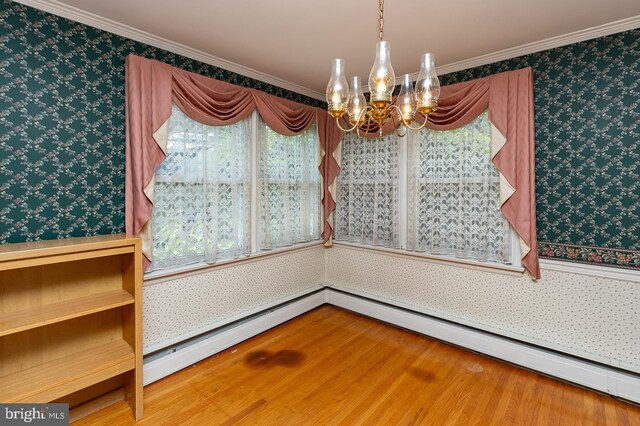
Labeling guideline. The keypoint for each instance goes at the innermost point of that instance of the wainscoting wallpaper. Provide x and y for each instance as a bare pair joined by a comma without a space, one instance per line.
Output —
62,123
587,109
179,309
594,318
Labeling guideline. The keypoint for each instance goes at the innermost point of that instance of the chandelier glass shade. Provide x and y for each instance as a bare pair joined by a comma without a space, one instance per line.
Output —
350,109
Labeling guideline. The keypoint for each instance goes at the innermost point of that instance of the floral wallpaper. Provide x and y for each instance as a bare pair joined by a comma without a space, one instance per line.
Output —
62,134
587,110
62,123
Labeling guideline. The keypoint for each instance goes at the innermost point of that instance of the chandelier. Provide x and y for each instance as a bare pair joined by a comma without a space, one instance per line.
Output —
350,104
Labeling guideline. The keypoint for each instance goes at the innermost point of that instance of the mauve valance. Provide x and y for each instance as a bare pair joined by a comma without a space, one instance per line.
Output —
509,98
152,86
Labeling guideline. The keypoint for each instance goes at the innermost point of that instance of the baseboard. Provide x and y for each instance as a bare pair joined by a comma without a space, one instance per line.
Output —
169,364
575,370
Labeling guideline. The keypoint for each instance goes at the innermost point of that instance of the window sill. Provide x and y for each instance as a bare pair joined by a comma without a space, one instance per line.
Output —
441,260
157,277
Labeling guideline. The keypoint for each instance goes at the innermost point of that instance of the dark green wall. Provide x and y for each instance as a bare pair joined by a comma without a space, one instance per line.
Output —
62,134
587,114
62,123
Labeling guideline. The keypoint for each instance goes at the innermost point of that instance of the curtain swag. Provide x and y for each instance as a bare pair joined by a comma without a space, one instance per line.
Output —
509,98
152,86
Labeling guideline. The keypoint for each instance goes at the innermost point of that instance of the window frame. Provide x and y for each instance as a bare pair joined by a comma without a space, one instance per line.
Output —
318,182
254,226
403,214
364,182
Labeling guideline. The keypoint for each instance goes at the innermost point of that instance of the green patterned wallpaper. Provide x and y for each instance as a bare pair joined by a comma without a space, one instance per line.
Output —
62,123
62,134
587,114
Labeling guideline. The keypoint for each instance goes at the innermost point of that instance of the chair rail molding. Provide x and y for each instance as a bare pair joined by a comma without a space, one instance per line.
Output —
610,272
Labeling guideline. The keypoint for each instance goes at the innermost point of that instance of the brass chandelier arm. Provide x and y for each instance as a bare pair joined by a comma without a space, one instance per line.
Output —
422,126
395,126
358,122
362,119
397,110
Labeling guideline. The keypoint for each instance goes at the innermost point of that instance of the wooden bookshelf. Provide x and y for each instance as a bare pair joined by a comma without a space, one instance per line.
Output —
71,320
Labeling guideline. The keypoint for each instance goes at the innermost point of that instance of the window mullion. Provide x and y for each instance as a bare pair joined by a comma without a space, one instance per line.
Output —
254,202
402,191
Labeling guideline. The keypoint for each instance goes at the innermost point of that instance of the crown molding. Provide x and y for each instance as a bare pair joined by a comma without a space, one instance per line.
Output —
75,14
57,8
538,46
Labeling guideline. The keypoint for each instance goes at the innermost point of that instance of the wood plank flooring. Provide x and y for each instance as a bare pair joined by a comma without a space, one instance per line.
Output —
331,366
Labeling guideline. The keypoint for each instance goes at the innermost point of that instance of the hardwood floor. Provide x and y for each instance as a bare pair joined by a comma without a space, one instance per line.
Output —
331,366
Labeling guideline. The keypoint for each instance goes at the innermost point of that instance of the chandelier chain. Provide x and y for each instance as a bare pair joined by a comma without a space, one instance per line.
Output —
381,20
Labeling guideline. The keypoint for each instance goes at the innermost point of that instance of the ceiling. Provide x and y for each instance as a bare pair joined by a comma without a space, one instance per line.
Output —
296,40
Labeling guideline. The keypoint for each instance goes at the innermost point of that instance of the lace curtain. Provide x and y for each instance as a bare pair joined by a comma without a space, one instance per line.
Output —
289,187
202,193
453,194
367,191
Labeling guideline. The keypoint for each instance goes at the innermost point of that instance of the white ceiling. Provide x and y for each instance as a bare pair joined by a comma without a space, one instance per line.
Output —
295,40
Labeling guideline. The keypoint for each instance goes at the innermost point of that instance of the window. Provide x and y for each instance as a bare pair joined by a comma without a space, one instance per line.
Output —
207,203
367,191
202,191
454,194
447,197
290,187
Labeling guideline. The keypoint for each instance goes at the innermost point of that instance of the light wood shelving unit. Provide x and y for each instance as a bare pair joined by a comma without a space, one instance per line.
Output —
71,321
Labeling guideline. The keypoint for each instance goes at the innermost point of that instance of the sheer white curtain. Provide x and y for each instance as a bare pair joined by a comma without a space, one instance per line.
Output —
453,194
202,193
289,184
367,191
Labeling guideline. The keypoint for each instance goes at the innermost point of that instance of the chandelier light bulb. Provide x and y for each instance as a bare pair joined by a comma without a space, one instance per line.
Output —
356,102
382,79
407,99
427,85
337,90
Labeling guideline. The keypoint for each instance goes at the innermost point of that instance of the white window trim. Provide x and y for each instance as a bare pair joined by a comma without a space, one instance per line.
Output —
254,227
516,252
403,191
